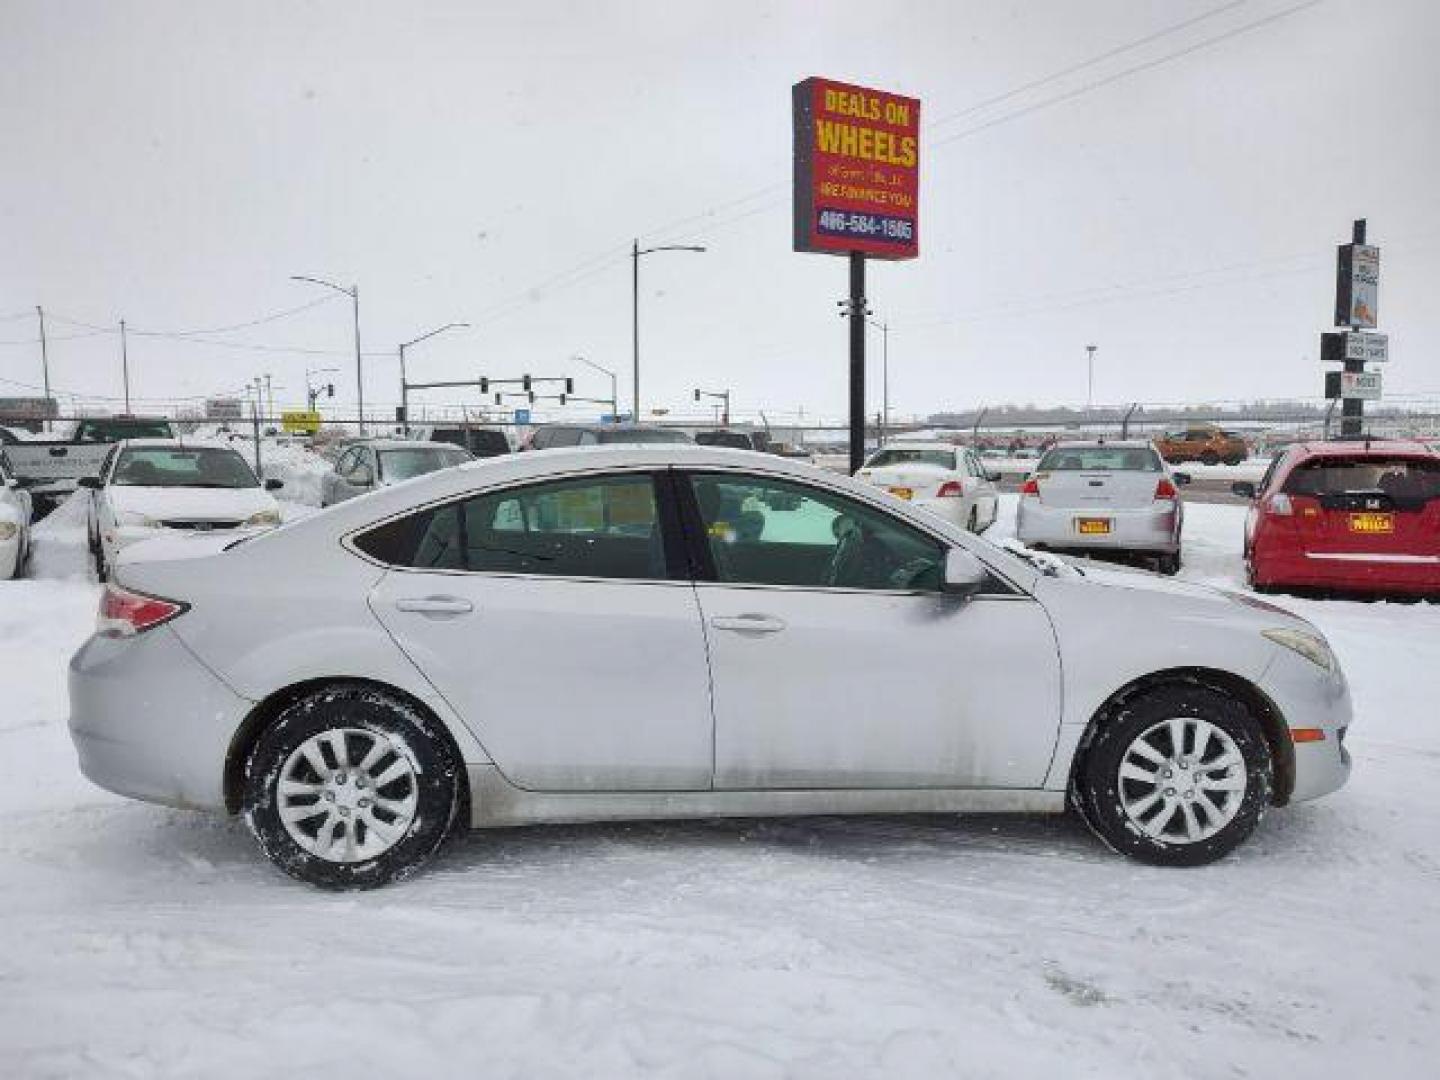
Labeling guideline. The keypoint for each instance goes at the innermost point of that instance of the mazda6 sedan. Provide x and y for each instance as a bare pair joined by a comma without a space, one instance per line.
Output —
681,632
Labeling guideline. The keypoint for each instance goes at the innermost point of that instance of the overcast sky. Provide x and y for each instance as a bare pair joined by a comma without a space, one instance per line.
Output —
1176,203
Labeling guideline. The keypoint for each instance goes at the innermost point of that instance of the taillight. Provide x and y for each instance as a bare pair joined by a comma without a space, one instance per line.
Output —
1280,505
1166,490
1030,487
124,613
951,489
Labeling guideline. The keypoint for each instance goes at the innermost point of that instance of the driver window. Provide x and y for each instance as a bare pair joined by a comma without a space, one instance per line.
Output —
772,532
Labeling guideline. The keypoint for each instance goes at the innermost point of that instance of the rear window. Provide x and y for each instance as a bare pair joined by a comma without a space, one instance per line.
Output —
116,430
899,455
1100,459
1405,480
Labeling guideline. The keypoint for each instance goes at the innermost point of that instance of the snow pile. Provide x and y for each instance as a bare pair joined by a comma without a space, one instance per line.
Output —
298,467
141,941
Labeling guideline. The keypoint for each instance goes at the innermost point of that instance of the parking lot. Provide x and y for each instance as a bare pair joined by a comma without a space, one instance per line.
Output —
139,941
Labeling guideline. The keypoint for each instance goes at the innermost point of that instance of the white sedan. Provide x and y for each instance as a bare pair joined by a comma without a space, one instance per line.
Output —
153,487
944,479
15,513
686,632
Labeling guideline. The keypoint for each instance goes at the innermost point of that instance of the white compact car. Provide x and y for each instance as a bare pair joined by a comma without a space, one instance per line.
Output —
680,631
936,476
150,487
367,464
1104,497
15,511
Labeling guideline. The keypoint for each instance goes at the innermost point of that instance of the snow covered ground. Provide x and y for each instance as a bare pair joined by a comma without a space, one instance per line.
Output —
142,942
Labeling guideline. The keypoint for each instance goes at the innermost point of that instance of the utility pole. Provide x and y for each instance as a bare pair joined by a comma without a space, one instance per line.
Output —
44,362
1090,382
125,365
857,361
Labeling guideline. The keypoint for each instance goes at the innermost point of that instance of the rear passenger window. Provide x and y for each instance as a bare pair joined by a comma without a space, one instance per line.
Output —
607,527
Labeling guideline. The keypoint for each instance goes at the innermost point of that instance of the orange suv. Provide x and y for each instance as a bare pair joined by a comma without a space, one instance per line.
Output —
1207,445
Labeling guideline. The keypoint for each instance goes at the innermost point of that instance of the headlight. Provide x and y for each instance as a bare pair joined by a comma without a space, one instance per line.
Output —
264,517
143,521
1311,646
8,529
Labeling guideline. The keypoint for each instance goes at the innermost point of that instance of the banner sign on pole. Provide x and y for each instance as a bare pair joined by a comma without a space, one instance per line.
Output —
1357,286
1363,385
857,170
1367,348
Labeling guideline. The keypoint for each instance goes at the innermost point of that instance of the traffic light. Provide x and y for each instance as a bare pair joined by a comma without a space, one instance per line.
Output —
697,395
499,399
330,389
525,383
562,397
484,385
569,389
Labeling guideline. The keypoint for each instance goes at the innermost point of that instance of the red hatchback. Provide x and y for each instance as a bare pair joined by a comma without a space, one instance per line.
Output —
1361,516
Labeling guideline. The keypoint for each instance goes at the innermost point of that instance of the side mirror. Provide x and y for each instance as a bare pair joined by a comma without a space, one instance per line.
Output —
1244,488
965,575
1181,478
274,485
92,482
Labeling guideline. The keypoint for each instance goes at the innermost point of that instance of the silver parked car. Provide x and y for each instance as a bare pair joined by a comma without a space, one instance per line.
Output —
367,464
1104,496
683,632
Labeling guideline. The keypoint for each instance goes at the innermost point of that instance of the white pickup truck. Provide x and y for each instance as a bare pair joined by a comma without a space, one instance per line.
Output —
51,468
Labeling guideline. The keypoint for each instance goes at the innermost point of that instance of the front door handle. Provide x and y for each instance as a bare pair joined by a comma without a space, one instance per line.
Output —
748,623
435,606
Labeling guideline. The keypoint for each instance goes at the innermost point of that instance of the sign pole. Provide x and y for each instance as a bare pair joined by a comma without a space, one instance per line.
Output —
857,361
1352,409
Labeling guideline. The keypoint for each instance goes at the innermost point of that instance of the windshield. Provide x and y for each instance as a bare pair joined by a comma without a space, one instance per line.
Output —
1403,479
643,435
183,467
418,460
914,455
1100,459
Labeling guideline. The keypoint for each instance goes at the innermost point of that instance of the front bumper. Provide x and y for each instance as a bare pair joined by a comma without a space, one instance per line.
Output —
1309,698
150,721
1154,528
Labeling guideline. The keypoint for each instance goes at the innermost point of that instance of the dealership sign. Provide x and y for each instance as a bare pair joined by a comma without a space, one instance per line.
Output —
857,170
1357,286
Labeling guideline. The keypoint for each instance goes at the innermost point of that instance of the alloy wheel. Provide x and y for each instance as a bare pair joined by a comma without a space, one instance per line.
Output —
1182,780
347,794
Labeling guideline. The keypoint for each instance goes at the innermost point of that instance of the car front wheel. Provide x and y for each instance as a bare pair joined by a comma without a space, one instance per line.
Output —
351,788
1177,776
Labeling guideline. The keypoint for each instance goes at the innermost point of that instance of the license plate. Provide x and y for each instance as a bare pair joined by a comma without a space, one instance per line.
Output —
903,493
1372,523
1092,526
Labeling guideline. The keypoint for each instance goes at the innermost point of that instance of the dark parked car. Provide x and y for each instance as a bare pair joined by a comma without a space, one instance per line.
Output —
552,435
480,441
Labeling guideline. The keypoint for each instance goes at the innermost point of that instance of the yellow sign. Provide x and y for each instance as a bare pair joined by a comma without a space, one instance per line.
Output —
297,420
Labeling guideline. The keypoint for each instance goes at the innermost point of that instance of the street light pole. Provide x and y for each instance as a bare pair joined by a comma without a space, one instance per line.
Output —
1090,384
125,366
44,363
635,252
884,328
614,387
354,293
404,380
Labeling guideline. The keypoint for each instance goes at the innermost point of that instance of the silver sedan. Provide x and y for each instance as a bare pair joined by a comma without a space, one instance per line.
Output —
678,631
1103,497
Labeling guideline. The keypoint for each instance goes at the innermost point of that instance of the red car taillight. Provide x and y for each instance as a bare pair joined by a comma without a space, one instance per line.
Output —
1166,490
1030,487
951,489
124,613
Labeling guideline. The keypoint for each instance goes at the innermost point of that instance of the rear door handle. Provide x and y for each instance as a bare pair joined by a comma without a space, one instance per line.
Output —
435,606
748,623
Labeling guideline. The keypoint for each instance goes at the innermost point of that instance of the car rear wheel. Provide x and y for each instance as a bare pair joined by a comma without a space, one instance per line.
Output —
1178,776
351,788
1169,565
1209,457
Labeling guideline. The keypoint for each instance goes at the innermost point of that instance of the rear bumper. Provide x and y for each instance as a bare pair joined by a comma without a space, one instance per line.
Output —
1416,575
149,721
1150,529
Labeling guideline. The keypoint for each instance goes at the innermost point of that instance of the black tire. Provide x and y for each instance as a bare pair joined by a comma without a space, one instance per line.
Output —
1169,565
435,773
102,572
1234,459
1096,786
1209,457
973,525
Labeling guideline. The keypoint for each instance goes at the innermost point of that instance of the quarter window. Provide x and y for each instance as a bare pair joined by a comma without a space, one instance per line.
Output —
596,527
772,532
